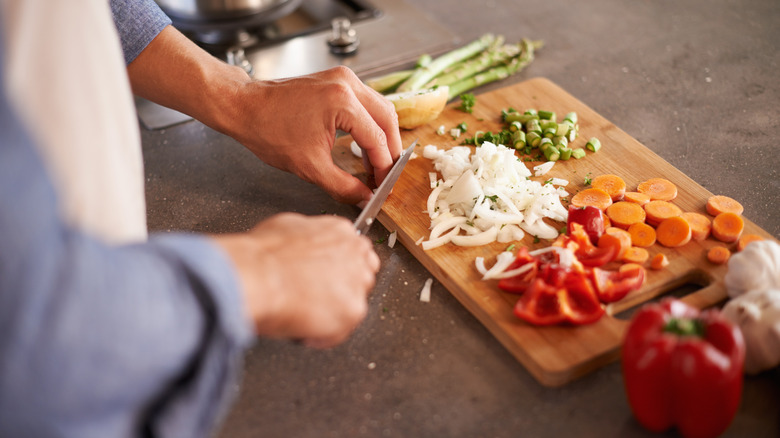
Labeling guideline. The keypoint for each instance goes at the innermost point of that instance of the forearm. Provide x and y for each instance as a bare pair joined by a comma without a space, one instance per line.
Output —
176,73
98,340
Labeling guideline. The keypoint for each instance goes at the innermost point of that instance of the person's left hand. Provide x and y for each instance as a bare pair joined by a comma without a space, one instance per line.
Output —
291,124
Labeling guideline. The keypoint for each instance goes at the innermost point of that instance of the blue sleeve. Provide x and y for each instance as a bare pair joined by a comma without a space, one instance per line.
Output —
106,341
138,23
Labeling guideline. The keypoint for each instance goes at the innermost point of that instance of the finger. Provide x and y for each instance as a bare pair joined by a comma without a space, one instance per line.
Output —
340,185
383,111
372,259
372,140
383,114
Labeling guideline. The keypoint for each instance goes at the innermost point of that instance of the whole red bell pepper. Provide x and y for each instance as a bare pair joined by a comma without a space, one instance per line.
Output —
683,368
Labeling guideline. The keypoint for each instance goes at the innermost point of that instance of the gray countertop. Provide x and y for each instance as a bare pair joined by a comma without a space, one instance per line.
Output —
695,81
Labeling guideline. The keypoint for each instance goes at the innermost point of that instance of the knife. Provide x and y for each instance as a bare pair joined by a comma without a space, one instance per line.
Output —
367,216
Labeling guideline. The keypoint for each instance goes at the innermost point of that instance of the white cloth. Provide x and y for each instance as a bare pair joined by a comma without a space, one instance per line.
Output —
87,131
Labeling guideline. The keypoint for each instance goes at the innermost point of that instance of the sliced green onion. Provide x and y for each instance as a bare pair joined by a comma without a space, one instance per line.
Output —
518,139
533,126
534,139
593,144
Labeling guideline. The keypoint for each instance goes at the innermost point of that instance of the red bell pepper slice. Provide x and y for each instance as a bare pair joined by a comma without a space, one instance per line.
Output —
574,302
683,368
591,219
613,286
519,283
587,253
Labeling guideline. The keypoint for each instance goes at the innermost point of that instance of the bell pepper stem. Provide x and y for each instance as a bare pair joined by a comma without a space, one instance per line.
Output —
685,327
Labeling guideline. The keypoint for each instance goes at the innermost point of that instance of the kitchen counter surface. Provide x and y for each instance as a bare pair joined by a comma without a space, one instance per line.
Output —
695,81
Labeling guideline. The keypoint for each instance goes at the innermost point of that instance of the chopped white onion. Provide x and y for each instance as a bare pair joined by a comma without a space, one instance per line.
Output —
482,238
559,182
543,168
392,238
356,151
433,179
490,190
441,240
503,260
425,293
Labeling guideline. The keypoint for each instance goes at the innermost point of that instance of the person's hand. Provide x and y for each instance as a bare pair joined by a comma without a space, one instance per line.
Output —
304,277
291,124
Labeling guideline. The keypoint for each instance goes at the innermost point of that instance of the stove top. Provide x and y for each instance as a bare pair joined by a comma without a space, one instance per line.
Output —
369,37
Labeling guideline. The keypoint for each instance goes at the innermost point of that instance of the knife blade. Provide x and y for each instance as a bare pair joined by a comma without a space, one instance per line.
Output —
367,216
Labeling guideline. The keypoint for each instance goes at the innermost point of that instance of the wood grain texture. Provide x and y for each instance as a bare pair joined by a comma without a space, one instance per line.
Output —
560,354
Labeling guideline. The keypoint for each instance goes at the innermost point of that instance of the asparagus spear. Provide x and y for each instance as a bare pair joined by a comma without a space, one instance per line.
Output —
423,75
388,83
470,67
497,73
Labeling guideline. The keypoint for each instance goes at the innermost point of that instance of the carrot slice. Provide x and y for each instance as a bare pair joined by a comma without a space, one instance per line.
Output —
727,227
612,184
673,232
721,204
747,238
642,235
622,214
626,267
636,254
658,188
659,261
701,225
639,198
592,197
623,237
658,210
609,240
718,255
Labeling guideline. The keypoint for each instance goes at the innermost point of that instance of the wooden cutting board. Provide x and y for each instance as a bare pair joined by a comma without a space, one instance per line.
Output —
554,355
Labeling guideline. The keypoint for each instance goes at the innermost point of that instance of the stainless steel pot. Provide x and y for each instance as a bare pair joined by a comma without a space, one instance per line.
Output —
204,15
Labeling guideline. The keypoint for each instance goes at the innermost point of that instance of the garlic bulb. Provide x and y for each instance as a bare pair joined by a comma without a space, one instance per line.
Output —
757,267
757,314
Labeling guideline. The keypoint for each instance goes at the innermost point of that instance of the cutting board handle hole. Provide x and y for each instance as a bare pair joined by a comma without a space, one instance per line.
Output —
690,286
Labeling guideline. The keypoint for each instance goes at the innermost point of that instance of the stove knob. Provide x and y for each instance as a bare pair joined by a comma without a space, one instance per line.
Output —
344,40
236,56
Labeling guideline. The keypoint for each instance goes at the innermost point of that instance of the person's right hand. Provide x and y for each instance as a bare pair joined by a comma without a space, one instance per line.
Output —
304,277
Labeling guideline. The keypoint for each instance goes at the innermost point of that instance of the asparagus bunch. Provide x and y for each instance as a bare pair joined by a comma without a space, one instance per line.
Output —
479,62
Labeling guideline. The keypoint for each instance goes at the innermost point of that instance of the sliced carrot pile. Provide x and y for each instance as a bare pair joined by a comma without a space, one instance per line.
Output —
658,210
636,254
592,197
727,227
747,238
659,261
701,225
612,184
622,214
642,235
658,188
722,204
673,232
718,255
639,198
623,237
